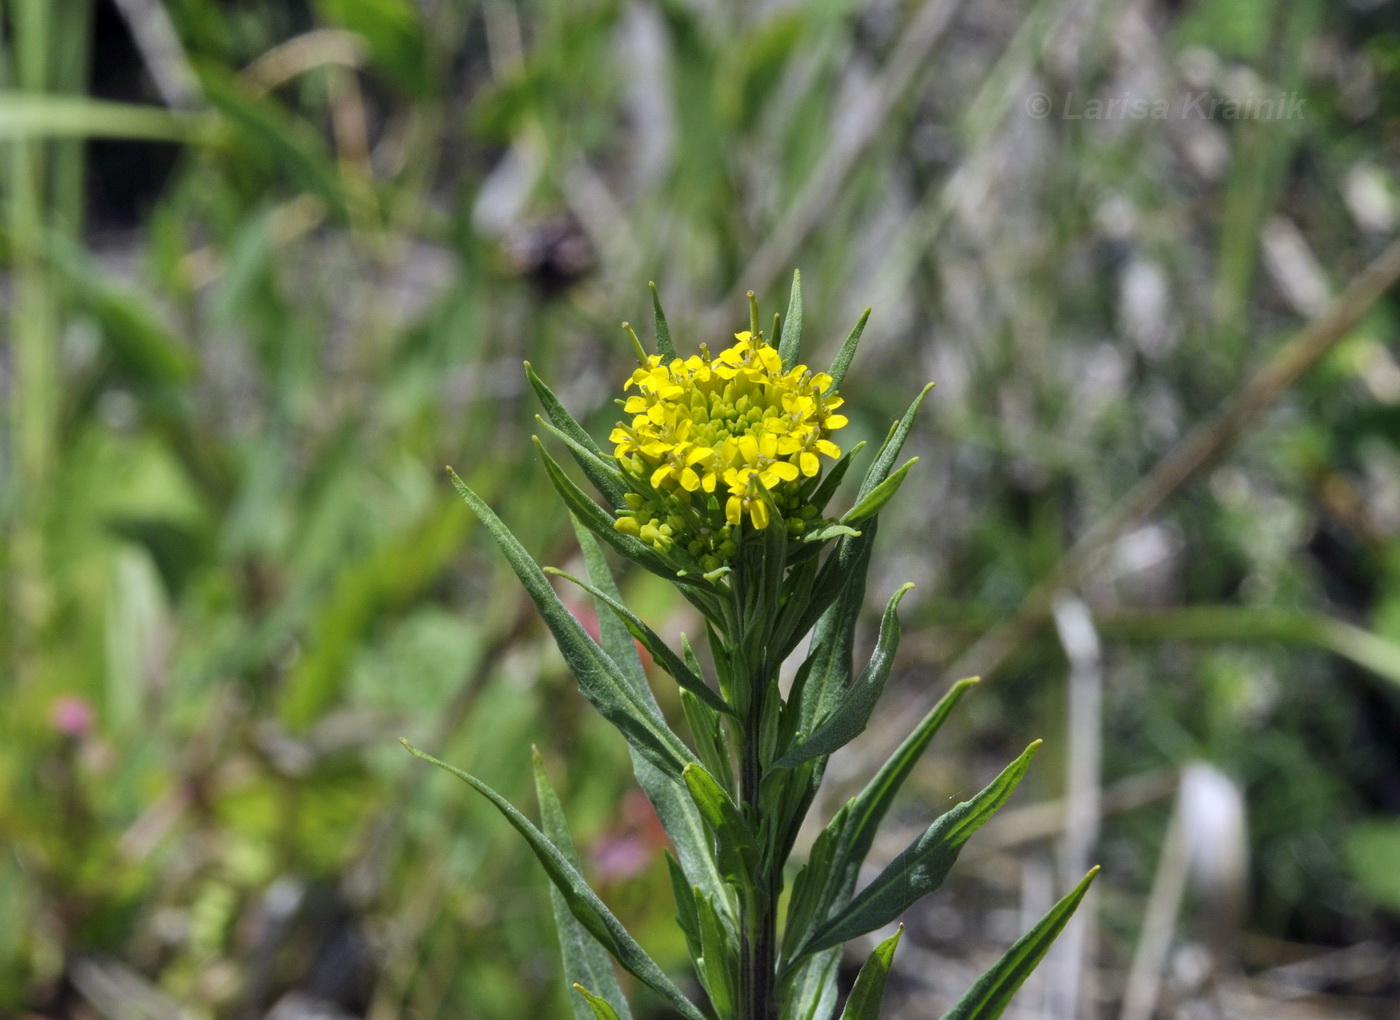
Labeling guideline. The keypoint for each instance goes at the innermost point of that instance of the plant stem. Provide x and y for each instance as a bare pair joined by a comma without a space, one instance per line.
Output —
757,916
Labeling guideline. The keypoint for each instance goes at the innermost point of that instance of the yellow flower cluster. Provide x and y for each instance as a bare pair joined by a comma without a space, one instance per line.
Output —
703,428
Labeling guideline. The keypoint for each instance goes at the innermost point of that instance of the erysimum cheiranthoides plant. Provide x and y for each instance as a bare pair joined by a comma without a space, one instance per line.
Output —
719,481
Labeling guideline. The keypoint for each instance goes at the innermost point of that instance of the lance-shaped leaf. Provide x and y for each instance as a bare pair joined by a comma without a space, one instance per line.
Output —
651,641
839,591
813,994
884,460
875,500
586,963
582,901
847,352
598,1007
687,917
664,346
791,341
678,814
716,962
736,849
922,866
992,992
707,734
849,719
606,477
599,677
869,989
700,592
863,814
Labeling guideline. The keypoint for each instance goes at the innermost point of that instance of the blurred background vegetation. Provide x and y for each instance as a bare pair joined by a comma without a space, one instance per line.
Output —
268,265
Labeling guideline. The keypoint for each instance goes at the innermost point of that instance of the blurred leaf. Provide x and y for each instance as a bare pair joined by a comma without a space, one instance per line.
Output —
26,115
395,33
1372,850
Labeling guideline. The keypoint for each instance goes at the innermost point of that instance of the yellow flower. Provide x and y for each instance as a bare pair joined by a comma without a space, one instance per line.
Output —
737,420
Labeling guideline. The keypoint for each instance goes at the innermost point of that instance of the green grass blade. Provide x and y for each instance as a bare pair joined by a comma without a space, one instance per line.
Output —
992,992
586,962
582,901
599,677
869,990
30,115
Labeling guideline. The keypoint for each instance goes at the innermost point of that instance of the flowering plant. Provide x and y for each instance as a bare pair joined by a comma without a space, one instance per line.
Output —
717,484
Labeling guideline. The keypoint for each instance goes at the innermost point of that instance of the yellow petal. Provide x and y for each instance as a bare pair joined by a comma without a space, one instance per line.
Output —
835,421
758,510
809,463
734,510
660,475
690,481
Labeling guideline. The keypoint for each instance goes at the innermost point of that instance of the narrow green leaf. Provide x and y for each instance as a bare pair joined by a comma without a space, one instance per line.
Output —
687,916
585,959
876,499
736,848
605,478
868,808
869,990
992,992
559,414
599,677
847,352
804,906
792,324
583,902
664,346
922,866
832,614
852,714
31,115
601,523
814,991
674,807
884,460
707,735
715,964
599,1008
651,641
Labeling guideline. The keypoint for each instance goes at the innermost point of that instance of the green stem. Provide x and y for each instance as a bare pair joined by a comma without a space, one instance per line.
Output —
758,913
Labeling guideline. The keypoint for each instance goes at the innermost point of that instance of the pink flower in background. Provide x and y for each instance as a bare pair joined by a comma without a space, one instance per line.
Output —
72,716
626,849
